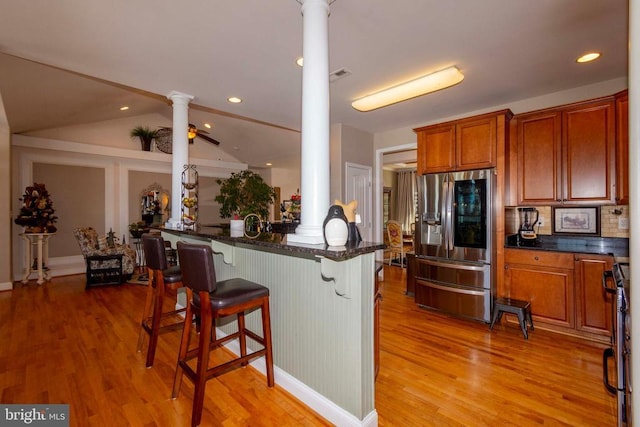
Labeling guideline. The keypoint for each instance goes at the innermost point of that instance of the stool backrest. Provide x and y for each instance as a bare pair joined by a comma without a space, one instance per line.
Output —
196,265
154,253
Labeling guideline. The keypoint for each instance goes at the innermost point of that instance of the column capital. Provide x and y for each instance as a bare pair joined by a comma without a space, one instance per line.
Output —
176,97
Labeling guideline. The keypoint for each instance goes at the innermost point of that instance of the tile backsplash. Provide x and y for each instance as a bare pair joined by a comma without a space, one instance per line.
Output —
611,220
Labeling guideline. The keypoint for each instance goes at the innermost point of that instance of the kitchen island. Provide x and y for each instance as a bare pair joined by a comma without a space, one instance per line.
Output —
322,301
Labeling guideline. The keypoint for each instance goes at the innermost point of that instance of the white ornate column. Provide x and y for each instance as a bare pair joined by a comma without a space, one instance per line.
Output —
314,181
180,150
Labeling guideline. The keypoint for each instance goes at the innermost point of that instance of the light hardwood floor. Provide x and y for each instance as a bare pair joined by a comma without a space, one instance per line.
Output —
62,344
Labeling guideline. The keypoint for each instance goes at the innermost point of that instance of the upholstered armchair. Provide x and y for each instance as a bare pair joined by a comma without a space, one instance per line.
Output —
106,264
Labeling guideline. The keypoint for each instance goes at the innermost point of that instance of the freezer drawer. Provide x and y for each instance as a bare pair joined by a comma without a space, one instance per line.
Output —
464,274
472,303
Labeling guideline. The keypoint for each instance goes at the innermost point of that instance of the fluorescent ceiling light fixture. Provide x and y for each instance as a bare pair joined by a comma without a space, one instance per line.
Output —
588,57
422,85
124,108
234,100
300,61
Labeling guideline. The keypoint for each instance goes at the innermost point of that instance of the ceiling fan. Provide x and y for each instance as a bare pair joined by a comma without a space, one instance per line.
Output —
164,137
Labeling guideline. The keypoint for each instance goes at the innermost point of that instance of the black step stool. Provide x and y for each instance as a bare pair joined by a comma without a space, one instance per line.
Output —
509,305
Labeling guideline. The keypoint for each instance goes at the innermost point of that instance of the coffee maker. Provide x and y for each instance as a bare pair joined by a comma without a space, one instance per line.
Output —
526,232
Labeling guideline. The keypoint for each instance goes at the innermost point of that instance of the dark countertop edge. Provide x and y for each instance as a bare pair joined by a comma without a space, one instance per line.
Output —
339,253
615,246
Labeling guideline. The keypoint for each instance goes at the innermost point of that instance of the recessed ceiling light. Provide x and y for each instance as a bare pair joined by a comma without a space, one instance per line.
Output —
588,57
269,164
234,100
300,61
124,108
207,125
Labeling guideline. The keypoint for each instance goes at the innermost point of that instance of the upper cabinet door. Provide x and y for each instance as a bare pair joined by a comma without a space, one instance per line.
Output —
436,149
622,148
476,143
566,155
589,152
464,144
539,157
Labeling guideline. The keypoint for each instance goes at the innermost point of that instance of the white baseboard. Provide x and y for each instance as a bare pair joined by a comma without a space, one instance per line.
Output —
60,266
314,400
6,286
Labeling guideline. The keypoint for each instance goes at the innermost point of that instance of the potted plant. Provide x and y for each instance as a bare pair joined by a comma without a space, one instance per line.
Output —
146,136
244,193
36,212
137,229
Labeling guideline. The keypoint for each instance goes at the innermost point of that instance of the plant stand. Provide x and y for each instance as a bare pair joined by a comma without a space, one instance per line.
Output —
189,203
39,264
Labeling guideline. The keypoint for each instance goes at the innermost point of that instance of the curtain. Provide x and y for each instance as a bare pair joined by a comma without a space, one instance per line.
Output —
406,206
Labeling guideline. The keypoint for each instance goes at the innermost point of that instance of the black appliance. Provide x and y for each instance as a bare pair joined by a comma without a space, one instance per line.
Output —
453,243
527,235
614,282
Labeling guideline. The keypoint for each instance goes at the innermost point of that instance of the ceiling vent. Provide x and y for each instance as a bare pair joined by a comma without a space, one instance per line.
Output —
338,74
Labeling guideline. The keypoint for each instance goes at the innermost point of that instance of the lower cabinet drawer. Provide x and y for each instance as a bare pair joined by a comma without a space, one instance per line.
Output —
542,258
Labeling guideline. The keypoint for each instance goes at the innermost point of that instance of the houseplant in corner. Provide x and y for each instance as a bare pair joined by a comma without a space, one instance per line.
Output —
146,136
241,194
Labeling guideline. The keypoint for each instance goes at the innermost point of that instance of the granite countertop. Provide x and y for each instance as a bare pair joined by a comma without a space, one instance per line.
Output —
274,242
614,246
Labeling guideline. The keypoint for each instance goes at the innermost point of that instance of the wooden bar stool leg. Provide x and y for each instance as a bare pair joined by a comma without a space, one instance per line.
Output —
200,381
146,313
184,347
266,333
242,337
155,319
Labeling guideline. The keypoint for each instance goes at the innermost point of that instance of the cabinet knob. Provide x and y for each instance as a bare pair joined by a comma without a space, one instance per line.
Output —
536,258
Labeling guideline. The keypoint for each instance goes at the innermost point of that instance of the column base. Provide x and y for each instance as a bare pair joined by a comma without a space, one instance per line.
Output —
306,234
173,224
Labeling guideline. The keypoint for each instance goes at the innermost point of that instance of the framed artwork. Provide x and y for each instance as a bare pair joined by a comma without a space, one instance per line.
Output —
577,220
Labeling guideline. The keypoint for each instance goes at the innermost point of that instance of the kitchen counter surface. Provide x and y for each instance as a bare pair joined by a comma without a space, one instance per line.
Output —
614,246
273,242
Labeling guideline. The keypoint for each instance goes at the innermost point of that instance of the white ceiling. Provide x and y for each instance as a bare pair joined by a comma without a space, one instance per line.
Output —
100,55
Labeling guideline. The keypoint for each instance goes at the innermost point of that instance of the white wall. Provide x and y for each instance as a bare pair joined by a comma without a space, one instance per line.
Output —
5,200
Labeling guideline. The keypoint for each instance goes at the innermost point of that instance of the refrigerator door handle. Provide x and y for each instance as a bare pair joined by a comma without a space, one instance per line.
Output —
443,212
450,207
454,289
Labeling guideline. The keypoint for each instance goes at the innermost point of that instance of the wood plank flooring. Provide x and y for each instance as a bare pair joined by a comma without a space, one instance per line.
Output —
62,344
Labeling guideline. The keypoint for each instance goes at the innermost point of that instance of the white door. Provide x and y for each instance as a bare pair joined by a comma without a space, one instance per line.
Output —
358,187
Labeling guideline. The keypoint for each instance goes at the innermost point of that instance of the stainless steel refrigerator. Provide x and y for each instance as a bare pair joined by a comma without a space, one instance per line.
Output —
454,245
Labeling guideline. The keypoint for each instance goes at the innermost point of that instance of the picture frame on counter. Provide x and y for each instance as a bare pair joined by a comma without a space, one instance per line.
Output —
582,220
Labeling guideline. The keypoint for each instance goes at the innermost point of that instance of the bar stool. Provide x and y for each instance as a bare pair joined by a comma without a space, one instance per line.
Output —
213,300
161,277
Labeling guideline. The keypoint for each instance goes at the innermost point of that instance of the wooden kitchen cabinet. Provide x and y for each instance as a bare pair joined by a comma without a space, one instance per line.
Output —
464,144
566,155
436,149
622,148
546,280
593,305
565,290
